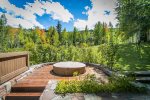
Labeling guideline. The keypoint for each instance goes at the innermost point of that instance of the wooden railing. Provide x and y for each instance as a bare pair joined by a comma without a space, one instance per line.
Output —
12,64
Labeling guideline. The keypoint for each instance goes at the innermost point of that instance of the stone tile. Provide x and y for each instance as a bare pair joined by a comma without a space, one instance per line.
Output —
78,98
7,86
74,98
53,86
67,97
48,95
57,98
92,97
2,88
79,94
3,91
49,92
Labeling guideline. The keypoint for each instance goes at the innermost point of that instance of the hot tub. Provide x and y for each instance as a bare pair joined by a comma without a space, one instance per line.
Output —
68,68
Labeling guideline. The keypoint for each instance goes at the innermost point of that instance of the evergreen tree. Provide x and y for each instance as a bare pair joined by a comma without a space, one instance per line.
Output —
21,36
3,37
64,37
105,33
55,38
58,27
36,35
70,36
110,32
49,35
85,35
97,33
75,31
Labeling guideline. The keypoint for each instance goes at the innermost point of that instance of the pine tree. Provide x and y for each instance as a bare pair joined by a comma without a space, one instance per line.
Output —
58,27
55,38
49,35
64,37
3,39
21,36
75,36
110,32
97,33
36,35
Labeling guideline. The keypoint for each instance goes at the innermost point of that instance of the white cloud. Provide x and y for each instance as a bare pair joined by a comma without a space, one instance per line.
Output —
28,15
57,11
13,21
87,7
96,13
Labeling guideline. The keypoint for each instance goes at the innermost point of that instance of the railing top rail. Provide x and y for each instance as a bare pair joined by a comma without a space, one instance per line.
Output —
13,54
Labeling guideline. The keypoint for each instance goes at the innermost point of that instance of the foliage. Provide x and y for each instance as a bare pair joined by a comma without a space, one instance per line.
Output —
100,45
131,57
65,37
75,32
76,73
133,16
3,34
90,85
58,27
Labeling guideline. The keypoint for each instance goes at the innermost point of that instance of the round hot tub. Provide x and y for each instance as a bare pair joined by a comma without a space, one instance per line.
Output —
68,68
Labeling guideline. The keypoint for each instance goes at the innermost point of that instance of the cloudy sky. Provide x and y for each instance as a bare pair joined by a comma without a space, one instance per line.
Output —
46,13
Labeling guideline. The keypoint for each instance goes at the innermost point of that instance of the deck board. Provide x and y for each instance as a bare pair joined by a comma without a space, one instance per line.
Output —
36,82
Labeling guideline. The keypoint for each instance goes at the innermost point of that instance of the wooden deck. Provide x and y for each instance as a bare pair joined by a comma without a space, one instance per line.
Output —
32,86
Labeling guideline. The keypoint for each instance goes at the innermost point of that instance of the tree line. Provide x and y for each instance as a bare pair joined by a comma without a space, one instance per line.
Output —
57,44
56,36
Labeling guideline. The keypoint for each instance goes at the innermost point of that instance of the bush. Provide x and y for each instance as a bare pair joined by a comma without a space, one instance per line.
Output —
90,85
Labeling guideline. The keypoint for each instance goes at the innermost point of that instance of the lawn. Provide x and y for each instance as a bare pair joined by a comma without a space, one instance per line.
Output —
130,57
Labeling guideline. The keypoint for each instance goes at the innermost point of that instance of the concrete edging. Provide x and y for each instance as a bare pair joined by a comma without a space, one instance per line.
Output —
101,67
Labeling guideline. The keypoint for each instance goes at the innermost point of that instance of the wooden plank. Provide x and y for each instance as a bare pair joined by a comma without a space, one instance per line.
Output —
11,62
12,74
23,96
13,54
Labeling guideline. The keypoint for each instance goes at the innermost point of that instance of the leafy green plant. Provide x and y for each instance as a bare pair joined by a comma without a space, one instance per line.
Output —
75,73
90,85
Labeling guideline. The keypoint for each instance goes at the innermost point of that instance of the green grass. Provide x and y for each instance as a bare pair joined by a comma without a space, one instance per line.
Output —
130,57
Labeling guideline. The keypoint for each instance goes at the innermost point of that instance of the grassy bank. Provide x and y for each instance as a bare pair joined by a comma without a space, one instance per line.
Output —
133,57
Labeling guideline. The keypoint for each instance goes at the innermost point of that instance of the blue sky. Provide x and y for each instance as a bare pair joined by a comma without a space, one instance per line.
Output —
46,13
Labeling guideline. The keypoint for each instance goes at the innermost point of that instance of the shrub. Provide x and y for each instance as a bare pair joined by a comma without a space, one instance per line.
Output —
90,85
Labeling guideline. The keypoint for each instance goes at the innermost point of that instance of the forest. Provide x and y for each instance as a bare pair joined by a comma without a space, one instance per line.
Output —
124,46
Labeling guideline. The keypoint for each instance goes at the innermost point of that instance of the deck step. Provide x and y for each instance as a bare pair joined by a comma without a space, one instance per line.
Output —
34,81
143,79
28,87
139,73
142,73
23,96
27,82
34,78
